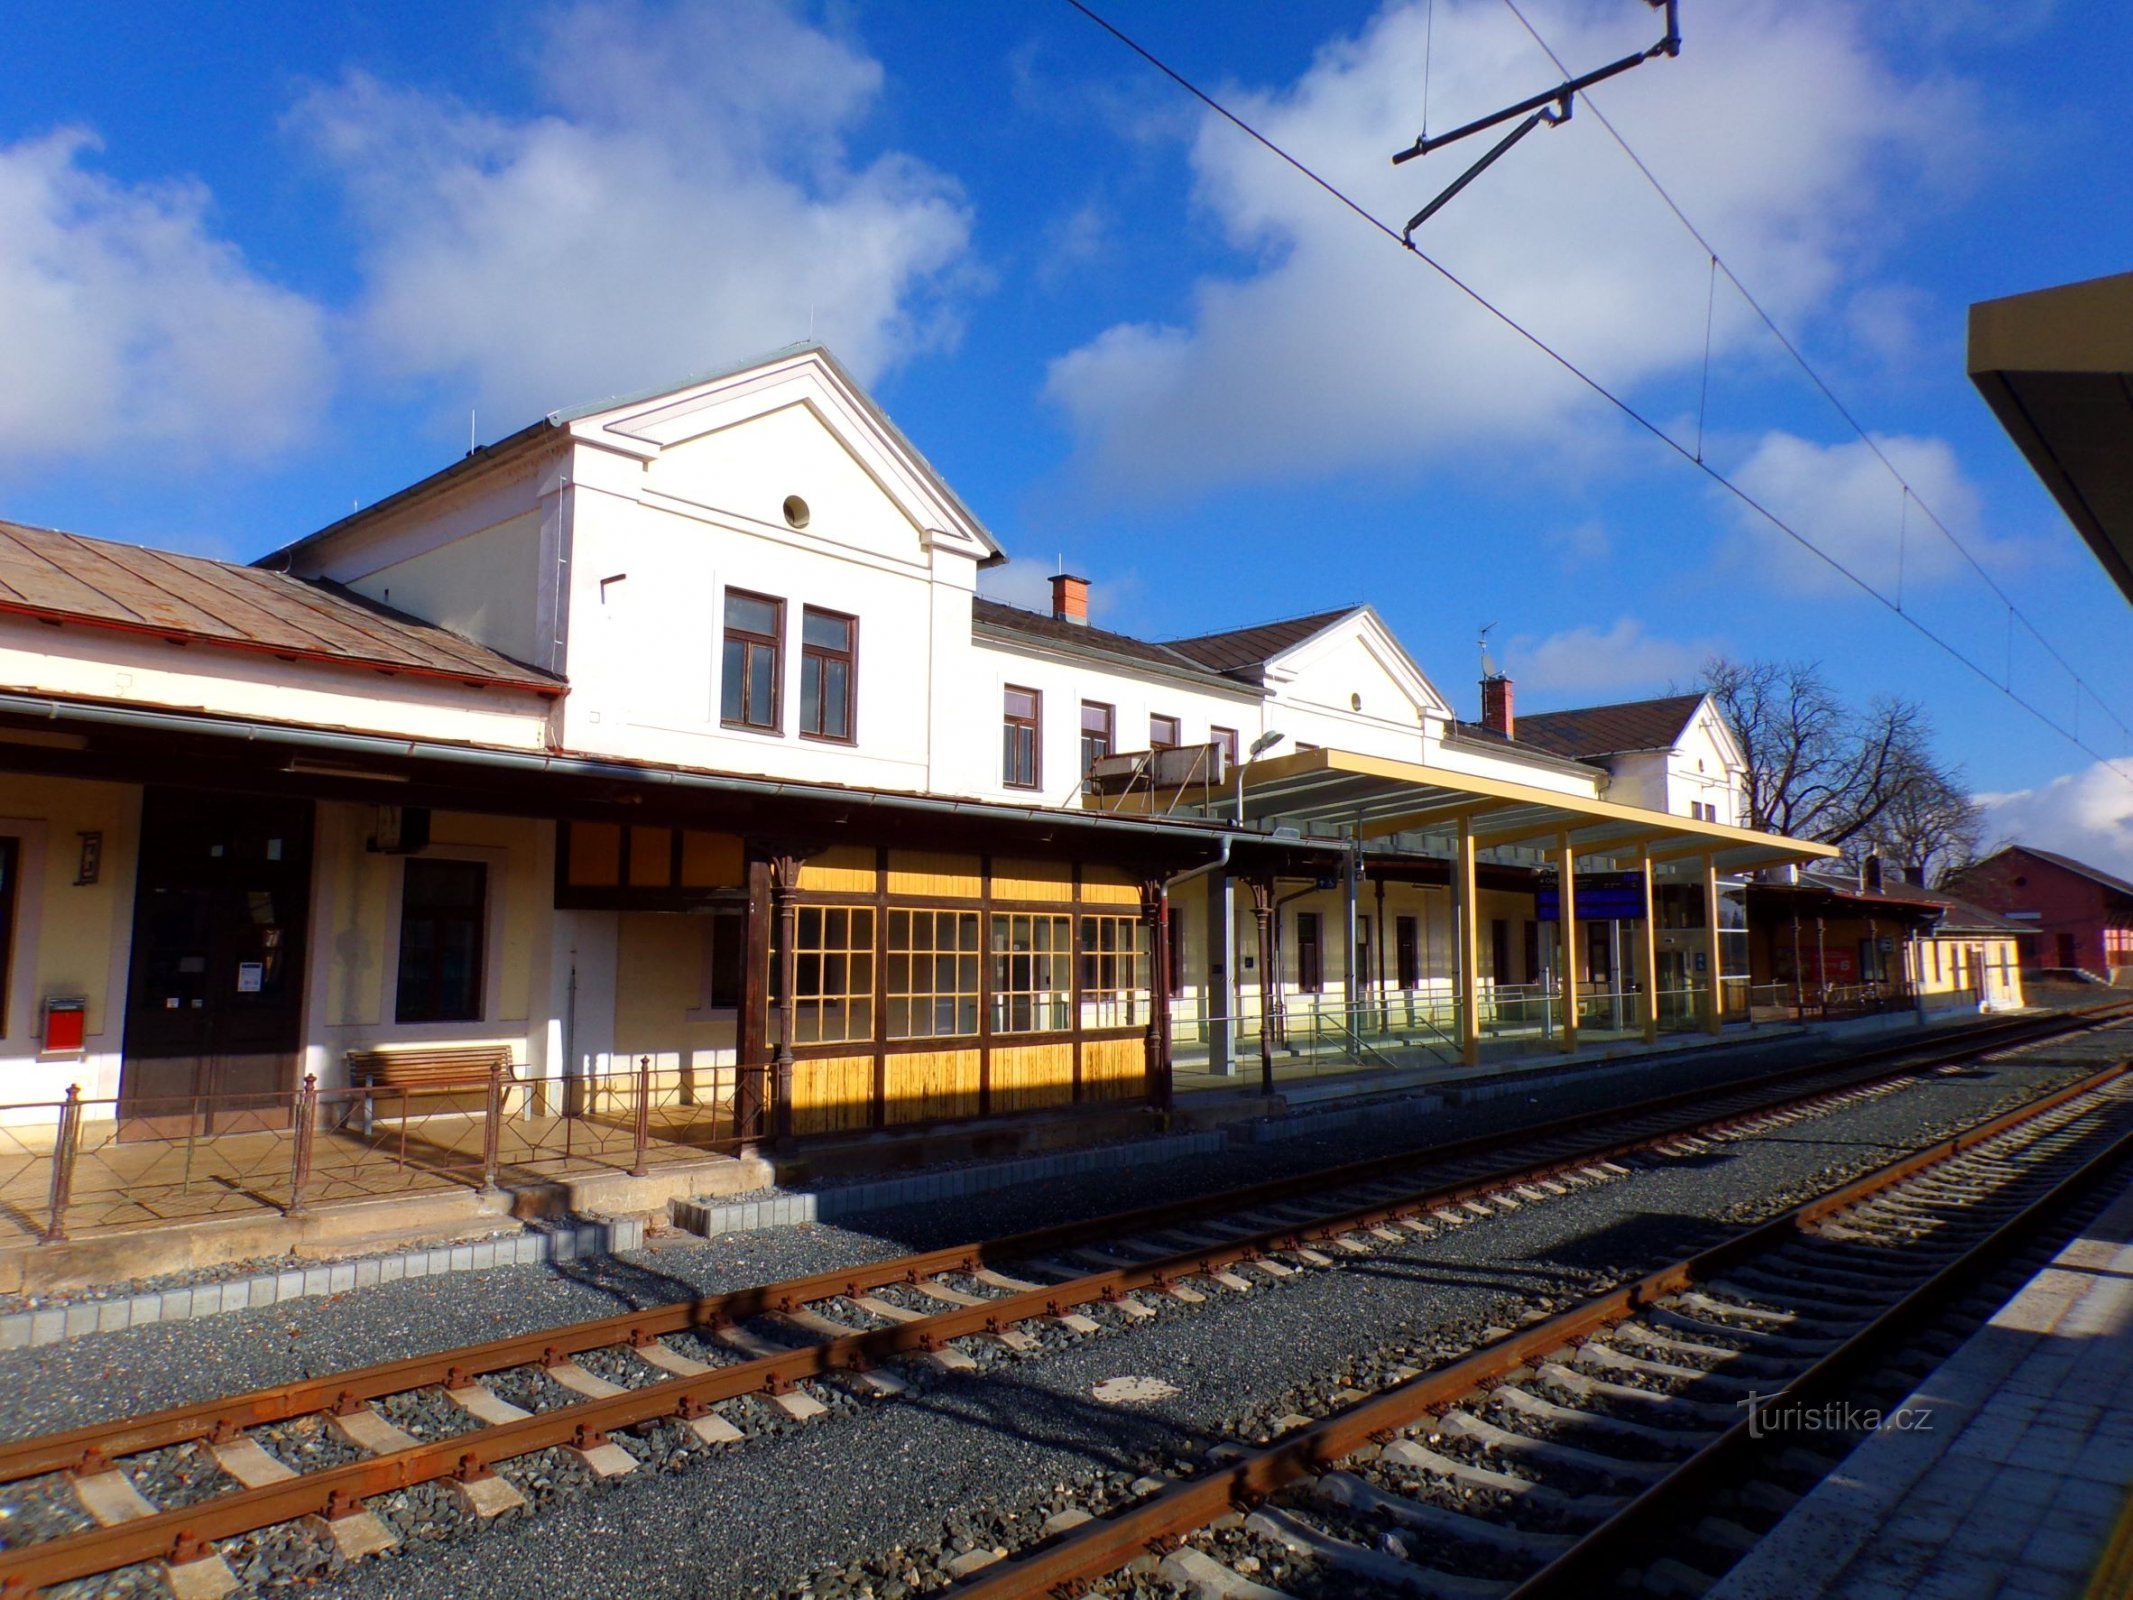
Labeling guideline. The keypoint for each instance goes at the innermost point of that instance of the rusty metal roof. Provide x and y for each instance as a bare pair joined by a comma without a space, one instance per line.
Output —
65,578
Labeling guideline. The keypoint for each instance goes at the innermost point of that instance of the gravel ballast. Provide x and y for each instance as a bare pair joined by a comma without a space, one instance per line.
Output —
892,1477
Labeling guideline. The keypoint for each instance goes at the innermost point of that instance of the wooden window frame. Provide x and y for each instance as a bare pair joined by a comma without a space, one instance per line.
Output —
1046,987
1009,724
967,1001
478,920
1105,1002
1407,951
1110,733
1226,739
825,949
1156,721
751,641
818,657
1310,953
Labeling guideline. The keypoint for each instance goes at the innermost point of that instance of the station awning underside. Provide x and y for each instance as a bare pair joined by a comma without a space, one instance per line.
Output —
1405,804
2056,366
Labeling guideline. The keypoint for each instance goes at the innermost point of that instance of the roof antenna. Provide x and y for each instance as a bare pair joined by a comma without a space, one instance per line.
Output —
470,430
1488,667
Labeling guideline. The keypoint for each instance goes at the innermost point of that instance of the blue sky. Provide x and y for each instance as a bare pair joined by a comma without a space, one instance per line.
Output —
258,264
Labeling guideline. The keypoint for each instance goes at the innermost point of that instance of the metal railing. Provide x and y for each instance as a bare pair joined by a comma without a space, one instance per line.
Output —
115,1162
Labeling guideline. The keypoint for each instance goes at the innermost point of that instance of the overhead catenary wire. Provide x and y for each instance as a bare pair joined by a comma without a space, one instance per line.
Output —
1821,384
1631,413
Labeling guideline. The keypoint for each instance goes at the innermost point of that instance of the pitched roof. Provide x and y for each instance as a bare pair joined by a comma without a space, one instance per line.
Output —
1240,650
1607,730
63,577
555,421
1080,639
1236,656
2079,868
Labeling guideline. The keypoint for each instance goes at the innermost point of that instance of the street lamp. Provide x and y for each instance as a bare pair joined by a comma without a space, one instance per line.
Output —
1265,742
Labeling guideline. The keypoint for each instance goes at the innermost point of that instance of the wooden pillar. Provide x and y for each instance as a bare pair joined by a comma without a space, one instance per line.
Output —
1465,905
1648,951
752,1035
1262,891
1714,1021
1566,911
784,879
1155,924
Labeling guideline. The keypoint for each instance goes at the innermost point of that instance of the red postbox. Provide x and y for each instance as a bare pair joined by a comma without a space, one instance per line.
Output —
65,1025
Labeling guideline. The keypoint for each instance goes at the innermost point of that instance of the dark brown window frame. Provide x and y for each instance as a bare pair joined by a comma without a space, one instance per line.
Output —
1177,732
818,656
1310,953
436,1011
1110,734
1009,724
751,640
1227,740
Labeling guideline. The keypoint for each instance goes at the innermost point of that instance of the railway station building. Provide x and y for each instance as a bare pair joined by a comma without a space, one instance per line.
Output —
663,760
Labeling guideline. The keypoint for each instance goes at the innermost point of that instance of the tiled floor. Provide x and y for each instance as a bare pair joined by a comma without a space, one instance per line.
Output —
2016,1478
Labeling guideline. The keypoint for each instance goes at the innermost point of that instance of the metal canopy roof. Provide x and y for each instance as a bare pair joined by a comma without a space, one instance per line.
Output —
2056,366
1376,798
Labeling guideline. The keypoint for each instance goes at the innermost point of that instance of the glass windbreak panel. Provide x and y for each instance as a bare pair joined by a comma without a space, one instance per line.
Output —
1032,972
1114,972
933,974
833,974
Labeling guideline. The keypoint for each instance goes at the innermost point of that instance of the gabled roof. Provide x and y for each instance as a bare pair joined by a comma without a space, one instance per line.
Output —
1248,650
65,578
1075,638
557,423
2081,869
1609,730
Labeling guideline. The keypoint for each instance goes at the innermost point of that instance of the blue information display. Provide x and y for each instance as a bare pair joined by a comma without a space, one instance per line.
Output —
1602,897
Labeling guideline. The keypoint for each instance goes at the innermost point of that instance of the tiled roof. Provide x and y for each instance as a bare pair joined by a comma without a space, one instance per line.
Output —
1604,730
1078,637
2079,868
63,577
1242,649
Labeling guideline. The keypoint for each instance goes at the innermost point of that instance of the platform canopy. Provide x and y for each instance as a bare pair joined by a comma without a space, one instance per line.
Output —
2056,366
1375,798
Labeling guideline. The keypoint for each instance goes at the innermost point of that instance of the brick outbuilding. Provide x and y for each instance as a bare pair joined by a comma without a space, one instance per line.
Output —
2075,915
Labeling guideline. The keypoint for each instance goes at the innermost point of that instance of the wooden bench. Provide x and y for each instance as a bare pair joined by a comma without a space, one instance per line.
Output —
434,1069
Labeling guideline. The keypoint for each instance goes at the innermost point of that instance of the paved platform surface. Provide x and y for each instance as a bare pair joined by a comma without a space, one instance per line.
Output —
2020,1482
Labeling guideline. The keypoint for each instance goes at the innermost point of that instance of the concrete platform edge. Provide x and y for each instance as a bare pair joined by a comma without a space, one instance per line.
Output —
20,1330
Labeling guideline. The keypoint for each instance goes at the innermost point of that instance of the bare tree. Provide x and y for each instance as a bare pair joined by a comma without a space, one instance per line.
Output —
1931,830
1818,769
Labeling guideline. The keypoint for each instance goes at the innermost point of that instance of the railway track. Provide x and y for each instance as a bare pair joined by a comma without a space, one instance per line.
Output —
705,1372
1578,1456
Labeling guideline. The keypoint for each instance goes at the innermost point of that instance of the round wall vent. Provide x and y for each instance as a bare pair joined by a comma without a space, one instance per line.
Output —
796,512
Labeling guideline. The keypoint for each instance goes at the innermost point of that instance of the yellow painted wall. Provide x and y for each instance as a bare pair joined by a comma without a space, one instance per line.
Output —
660,966
69,947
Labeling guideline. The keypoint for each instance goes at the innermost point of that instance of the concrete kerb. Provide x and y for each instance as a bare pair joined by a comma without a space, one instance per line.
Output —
21,1330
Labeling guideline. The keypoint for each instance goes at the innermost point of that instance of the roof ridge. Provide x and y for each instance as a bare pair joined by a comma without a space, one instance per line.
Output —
1267,622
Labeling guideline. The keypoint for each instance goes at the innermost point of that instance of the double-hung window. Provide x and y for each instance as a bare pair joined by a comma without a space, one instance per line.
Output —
1020,737
827,644
1163,733
755,629
1225,740
1096,733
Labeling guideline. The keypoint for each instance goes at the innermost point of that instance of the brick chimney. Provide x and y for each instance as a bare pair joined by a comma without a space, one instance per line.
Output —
1496,705
1070,599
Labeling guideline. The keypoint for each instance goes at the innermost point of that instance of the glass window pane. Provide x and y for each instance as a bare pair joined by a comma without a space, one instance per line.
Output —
837,697
810,694
731,680
826,632
759,684
753,615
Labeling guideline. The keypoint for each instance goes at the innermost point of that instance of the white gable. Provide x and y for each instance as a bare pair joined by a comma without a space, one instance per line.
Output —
740,445
1355,665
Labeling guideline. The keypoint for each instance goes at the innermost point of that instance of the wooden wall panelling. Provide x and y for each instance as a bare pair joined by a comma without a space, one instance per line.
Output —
832,1094
925,1085
936,874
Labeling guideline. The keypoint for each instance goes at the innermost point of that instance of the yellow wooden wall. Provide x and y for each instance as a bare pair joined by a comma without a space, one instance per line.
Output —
1031,1076
1114,1069
833,1095
926,1084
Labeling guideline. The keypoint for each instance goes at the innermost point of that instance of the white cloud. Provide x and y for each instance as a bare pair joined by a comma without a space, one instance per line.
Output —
1842,498
686,198
1779,130
1589,664
130,324
2087,815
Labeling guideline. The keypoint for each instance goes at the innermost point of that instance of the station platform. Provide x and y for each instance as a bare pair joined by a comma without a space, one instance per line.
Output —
2018,1480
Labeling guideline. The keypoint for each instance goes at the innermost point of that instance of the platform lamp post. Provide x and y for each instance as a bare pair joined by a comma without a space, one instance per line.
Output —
1259,747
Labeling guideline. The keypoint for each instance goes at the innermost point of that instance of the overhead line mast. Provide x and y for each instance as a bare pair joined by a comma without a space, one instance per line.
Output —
1560,99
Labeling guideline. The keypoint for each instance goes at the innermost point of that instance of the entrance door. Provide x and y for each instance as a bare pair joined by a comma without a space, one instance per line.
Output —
214,1007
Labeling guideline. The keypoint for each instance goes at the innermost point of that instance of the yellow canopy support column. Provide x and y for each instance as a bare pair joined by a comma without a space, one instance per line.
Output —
1714,1020
1567,924
1465,899
1648,952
